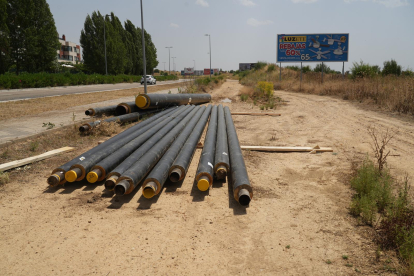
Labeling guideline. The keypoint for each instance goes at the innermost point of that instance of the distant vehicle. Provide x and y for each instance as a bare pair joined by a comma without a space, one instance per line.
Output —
150,80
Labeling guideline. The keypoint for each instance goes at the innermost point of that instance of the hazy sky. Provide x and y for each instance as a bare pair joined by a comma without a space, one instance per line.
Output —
245,30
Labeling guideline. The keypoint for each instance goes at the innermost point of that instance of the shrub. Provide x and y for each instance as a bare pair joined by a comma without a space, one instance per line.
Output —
244,97
391,68
271,68
265,89
319,66
260,65
4,178
363,70
294,68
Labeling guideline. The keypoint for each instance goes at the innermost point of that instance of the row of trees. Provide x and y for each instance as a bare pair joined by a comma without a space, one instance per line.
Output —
28,36
123,46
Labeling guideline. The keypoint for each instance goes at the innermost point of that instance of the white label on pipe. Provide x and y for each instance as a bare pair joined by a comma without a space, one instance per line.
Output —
82,158
225,153
156,103
189,100
210,164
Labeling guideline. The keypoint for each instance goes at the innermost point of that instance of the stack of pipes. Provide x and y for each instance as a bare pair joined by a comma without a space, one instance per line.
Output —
162,147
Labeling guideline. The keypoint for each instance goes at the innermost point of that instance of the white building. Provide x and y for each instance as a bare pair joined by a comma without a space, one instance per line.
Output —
69,51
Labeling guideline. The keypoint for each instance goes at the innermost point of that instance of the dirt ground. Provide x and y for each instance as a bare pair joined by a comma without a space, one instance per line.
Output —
297,223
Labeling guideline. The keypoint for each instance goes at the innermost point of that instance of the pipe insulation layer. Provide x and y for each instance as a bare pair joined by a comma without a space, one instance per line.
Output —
205,170
242,190
159,174
221,159
143,149
86,163
179,168
145,101
100,170
126,108
65,167
107,110
136,173
120,119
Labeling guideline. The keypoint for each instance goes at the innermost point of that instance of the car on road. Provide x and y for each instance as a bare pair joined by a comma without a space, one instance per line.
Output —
150,80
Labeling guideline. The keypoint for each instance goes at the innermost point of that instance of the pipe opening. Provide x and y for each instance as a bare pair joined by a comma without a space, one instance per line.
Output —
111,182
84,128
121,110
221,172
89,112
244,197
122,187
55,178
149,190
175,175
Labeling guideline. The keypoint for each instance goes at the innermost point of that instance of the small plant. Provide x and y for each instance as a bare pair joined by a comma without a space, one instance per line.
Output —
345,257
169,92
349,265
48,125
328,261
4,178
380,140
271,68
287,246
244,97
262,107
357,270
34,145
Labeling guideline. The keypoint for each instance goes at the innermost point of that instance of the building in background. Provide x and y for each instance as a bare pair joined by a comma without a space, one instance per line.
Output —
246,66
69,51
198,72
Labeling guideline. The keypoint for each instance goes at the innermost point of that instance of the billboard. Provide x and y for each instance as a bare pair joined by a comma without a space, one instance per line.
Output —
312,47
246,66
207,71
188,71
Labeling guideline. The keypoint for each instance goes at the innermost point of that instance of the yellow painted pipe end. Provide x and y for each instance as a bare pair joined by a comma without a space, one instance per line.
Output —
71,176
141,101
92,177
148,192
203,185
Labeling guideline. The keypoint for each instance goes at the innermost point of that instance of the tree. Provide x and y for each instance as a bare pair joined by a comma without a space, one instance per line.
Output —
4,38
33,36
391,68
319,66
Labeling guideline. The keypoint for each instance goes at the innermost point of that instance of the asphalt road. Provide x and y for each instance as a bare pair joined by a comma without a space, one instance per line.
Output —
31,93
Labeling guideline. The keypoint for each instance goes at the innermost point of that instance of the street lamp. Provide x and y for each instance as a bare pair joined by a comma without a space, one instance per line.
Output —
209,42
143,49
106,65
169,59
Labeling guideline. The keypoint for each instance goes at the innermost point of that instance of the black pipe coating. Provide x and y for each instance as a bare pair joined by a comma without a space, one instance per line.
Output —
179,168
221,158
145,101
206,164
110,162
242,190
65,167
107,110
159,174
86,163
136,173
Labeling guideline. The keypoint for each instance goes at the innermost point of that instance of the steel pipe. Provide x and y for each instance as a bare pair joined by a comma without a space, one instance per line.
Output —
100,170
107,110
145,101
126,108
205,170
136,173
142,150
221,158
242,189
179,168
84,164
159,174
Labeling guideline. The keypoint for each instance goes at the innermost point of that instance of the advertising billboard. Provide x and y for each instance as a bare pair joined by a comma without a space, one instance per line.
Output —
188,71
312,47
207,71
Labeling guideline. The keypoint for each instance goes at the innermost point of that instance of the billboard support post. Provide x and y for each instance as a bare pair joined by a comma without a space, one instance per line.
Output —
280,75
300,89
322,71
343,70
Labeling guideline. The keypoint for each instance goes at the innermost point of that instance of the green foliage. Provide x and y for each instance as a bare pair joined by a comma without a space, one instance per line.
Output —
244,97
260,65
408,73
271,68
363,70
319,66
34,146
391,68
123,46
4,178
306,69
265,89
33,36
4,38
294,68
156,71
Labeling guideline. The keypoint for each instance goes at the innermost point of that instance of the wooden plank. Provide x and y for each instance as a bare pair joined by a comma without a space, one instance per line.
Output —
256,114
287,149
18,163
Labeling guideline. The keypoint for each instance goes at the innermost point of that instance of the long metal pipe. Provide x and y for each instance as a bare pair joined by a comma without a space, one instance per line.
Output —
83,166
221,160
159,174
126,108
179,168
205,170
145,101
100,170
58,174
107,110
114,174
242,190
130,179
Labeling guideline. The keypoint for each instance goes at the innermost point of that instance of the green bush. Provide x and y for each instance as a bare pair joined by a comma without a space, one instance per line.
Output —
363,70
271,68
260,65
391,68
294,68
319,66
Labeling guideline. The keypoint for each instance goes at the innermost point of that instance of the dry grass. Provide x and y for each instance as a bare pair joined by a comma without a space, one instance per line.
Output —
390,92
22,108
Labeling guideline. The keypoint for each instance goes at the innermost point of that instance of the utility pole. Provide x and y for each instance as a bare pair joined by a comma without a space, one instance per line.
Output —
143,49
209,41
169,59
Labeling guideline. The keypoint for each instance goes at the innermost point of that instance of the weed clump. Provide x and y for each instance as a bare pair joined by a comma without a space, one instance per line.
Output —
4,178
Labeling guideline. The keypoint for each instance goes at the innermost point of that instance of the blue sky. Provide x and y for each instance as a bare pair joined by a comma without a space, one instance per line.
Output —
245,30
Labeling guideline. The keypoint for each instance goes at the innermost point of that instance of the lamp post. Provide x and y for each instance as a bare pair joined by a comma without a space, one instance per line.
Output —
106,65
143,49
174,63
169,59
209,42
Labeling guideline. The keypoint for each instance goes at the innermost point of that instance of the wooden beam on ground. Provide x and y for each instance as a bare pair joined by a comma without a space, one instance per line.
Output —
19,163
256,113
287,149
